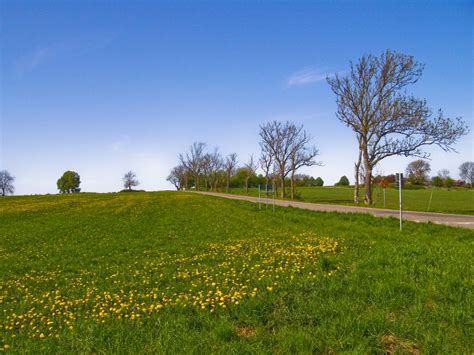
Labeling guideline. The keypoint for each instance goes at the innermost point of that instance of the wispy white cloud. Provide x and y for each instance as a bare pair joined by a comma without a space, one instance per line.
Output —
308,76
32,60
45,53
120,143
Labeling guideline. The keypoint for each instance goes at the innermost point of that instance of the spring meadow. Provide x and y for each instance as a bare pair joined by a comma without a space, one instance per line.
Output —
236,177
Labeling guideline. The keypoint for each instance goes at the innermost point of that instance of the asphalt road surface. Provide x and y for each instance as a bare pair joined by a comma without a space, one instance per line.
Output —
455,220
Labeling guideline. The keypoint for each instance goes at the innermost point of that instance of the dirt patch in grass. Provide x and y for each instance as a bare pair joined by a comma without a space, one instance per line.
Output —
393,345
245,332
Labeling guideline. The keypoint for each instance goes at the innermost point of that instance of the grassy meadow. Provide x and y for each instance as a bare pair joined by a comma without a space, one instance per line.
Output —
455,200
170,272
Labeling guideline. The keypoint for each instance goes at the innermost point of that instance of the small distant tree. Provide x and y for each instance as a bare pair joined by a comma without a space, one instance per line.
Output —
130,180
466,172
216,164
266,164
178,177
229,167
448,182
417,172
319,182
194,161
250,168
437,181
69,182
443,173
6,183
343,181
443,179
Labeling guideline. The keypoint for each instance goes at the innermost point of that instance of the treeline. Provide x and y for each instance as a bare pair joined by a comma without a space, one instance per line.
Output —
417,173
285,148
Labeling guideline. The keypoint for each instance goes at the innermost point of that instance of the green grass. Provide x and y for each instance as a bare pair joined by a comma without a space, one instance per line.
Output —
121,272
458,200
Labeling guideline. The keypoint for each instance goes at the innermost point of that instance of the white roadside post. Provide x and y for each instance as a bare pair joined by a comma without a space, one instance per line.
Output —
400,185
273,190
266,196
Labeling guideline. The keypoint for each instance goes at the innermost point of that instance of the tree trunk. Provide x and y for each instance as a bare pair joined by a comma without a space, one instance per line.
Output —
356,178
247,185
367,180
196,182
292,181
227,184
282,177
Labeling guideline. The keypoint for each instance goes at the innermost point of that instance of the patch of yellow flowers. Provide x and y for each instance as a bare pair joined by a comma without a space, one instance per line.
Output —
41,305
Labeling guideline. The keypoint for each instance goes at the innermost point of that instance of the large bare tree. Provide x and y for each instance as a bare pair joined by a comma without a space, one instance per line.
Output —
371,100
193,161
229,166
6,183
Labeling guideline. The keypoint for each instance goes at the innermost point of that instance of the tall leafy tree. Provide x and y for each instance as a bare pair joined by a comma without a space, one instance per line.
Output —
372,100
69,182
6,183
417,172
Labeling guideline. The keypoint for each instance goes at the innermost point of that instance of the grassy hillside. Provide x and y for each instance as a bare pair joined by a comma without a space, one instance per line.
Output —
176,272
460,200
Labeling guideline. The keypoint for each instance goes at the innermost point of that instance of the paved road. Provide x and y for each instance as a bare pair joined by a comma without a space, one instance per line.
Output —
455,220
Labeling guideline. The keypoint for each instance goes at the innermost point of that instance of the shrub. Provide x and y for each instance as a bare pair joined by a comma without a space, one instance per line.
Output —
437,181
319,182
343,181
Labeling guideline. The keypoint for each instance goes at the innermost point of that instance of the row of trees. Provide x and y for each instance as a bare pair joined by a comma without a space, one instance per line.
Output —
209,170
417,173
285,148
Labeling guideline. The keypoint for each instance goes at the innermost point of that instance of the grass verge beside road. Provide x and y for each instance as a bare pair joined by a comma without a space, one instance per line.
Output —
457,200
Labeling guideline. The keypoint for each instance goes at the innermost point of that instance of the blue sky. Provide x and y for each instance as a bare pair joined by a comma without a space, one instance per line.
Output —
102,87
